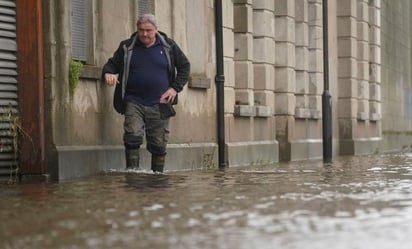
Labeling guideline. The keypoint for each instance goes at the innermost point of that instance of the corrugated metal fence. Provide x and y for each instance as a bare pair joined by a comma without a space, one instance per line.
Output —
8,88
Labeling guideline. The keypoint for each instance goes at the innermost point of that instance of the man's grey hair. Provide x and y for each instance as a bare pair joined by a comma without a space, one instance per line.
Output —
145,18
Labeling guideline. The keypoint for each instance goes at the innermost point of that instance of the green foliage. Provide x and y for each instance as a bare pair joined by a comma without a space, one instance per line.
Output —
208,161
75,69
262,162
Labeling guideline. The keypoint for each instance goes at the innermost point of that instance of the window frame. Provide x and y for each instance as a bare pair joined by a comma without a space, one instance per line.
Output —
88,57
145,7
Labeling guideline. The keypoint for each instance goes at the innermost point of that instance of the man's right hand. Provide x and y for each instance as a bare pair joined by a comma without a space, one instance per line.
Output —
111,79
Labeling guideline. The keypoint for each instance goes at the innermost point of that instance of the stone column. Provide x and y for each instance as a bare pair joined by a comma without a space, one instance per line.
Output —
264,56
315,58
375,61
251,130
363,60
285,77
243,28
229,54
347,72
302,58
306,140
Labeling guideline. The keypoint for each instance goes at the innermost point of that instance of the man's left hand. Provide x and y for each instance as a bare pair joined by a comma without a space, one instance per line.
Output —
168,96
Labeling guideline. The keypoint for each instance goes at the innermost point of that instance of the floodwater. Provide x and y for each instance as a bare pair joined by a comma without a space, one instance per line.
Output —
354,202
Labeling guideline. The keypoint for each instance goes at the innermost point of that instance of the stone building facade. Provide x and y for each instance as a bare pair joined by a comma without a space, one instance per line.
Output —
274,80
278,74
396,60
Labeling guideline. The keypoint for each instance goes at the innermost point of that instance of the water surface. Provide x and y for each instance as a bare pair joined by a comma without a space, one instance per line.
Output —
354,202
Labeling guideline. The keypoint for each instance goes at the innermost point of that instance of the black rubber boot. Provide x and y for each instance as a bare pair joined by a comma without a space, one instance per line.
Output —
132,159
158,163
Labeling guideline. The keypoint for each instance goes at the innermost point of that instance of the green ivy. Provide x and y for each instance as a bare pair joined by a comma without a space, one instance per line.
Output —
75,69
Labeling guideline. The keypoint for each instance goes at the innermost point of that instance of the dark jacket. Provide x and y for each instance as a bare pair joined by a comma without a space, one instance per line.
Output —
179,66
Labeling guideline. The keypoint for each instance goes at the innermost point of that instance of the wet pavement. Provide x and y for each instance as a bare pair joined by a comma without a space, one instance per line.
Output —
355,202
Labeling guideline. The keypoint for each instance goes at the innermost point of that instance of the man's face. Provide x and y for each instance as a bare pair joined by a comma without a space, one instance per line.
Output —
147,33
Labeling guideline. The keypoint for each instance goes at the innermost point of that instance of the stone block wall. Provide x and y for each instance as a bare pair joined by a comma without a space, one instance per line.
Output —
251,124
278,75
295,52
273,67
359,113
396,77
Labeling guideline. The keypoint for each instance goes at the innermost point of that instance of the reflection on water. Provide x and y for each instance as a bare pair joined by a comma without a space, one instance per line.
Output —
355,202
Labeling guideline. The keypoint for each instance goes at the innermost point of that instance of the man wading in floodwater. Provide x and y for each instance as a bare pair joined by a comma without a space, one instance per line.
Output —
148,69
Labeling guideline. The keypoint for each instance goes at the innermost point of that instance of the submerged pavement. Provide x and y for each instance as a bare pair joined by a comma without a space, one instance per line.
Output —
354,202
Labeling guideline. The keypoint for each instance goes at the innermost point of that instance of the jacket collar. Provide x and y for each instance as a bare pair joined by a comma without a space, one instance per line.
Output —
160,36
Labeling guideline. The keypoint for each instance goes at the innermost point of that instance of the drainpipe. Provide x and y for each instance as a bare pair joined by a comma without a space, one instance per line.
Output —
220,83
326,97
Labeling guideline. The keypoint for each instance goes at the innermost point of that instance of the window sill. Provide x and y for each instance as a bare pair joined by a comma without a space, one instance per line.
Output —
199,81
91,72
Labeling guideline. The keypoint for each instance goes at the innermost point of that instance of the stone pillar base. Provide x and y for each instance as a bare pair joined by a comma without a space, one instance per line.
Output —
304,149
360,146
252,153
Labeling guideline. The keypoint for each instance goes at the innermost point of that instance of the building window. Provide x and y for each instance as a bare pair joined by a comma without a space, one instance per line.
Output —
82,31
145,7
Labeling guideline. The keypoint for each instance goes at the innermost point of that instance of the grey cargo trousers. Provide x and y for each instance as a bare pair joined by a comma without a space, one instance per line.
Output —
140,119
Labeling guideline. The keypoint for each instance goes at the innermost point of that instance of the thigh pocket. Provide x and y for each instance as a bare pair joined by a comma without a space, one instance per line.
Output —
166,111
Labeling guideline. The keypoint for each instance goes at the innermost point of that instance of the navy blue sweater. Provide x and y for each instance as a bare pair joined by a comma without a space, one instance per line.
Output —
148,75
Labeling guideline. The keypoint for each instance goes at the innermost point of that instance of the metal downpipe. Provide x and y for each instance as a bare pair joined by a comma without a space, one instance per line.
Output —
220,83
326,97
